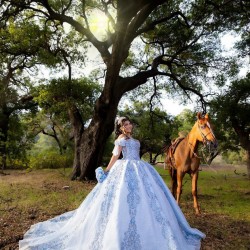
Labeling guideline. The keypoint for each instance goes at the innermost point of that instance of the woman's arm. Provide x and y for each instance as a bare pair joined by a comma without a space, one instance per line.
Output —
113,159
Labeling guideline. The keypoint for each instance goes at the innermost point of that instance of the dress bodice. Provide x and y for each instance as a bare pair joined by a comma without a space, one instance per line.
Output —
130,148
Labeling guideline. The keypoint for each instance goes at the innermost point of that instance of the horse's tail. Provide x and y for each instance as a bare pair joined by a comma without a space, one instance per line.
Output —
169,161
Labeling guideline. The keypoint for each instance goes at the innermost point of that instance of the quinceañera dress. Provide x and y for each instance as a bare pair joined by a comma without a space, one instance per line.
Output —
132,209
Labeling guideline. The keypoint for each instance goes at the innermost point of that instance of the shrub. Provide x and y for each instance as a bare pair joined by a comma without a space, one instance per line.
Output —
51,159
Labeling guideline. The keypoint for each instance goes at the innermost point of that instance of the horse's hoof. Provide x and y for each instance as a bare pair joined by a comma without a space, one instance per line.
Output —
197,211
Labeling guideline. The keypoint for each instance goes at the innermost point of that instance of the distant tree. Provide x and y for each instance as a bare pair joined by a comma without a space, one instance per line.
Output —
56,100
24,44
183,123
20,140
19,44
232,110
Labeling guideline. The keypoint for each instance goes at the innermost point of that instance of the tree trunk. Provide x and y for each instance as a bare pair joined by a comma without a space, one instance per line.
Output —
243,135
78,128
248,163
155,157
4,125
90,144
150,157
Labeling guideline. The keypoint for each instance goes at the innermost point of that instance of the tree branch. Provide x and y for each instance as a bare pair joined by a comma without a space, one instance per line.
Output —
152,25
102,47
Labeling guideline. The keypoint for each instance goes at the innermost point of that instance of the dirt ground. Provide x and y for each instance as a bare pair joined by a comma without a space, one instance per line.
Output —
222,232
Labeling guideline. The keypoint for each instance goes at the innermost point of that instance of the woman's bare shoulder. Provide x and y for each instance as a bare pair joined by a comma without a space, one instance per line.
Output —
121,137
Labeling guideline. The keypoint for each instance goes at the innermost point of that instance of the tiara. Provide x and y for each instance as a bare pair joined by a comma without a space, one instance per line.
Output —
119,120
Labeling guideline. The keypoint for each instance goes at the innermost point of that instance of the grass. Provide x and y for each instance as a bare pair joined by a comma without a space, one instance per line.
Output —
221,191
224,197
42,189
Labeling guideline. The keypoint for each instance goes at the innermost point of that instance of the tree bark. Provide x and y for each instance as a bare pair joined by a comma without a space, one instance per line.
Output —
90,142
248,163
78,128
243,135
4,126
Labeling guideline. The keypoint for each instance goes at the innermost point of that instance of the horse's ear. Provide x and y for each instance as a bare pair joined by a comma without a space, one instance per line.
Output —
199,116
206,116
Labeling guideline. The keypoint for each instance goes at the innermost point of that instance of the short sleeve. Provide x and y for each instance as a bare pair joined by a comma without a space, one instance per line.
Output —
118,142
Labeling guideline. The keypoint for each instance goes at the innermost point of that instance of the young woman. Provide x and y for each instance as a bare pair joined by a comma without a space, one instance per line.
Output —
130,208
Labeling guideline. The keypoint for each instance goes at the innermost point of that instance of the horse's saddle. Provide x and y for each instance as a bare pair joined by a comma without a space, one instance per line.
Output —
175,144
171,150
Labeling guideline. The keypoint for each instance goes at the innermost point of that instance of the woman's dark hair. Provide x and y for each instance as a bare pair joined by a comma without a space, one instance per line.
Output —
118,124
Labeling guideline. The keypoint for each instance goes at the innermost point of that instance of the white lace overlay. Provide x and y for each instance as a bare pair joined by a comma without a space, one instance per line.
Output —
132,209
130,148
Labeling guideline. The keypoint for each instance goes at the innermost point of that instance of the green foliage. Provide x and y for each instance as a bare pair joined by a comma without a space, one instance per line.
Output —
51,159
230,109
183,123
20,140
45,154
235,157
60,94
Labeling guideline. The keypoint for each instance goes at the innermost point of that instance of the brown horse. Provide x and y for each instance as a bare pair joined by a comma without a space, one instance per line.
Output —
182,158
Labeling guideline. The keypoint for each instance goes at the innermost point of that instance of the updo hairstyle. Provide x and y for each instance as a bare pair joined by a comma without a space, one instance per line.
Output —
118,124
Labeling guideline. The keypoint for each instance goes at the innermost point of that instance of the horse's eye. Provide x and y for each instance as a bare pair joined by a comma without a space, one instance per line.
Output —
203,126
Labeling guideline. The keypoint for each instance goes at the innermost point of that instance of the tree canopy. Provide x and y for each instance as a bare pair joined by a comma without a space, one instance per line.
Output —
231,109
173,45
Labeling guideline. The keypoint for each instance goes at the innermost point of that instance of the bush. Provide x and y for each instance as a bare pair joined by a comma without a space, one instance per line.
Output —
234,157
51,159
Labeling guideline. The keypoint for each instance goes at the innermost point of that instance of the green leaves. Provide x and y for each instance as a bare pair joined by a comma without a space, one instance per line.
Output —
231,109
61,94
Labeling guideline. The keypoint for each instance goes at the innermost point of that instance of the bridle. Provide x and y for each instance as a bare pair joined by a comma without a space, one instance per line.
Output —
204,136
212,151
206,142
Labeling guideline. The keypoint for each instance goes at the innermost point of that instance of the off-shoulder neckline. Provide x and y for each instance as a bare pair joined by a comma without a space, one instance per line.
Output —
124,138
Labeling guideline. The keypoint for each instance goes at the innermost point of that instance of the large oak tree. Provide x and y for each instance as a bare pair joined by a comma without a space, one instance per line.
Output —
177,46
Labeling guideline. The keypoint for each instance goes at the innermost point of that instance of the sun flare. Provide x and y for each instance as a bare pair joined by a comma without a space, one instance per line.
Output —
98,23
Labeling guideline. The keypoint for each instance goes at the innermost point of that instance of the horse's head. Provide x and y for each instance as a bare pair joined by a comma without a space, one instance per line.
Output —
205,133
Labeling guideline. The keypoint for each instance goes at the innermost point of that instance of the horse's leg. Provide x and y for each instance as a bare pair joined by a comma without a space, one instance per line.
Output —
194,191
174,183
180,176
172,173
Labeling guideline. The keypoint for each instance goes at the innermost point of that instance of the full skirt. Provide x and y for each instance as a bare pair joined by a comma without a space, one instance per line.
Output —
132,209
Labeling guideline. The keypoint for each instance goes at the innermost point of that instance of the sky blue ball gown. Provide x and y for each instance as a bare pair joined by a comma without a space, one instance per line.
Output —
132,209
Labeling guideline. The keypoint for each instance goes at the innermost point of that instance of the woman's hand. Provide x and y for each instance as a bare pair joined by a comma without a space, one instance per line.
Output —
100,174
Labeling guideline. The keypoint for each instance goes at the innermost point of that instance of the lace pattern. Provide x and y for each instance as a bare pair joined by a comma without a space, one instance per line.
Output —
192,235
131,239
106,208
157,211
130,148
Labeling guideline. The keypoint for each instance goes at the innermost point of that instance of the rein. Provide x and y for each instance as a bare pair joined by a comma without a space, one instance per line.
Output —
205,140
192,148
204,136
